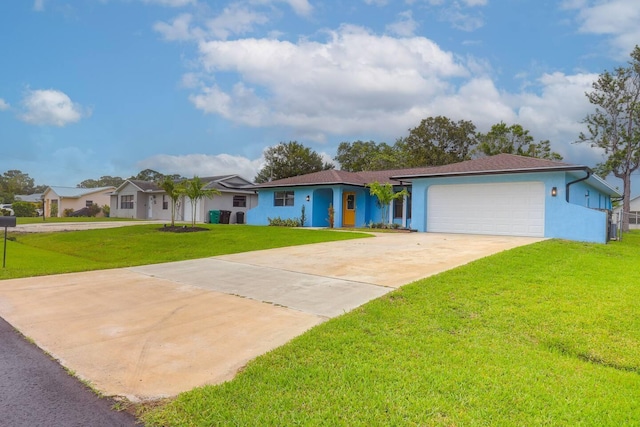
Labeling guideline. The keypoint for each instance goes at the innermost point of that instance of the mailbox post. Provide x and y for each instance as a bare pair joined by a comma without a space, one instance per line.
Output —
6,221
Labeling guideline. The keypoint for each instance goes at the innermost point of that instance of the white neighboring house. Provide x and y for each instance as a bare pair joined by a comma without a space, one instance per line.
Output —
57,199
634,214
146,200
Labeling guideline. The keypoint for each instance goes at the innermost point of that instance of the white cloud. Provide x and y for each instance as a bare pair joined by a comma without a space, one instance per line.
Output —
179,29
301,7
235,19
616,18
171,3
460,19
404,26
4,105
353,80
38,5
203,165
50,107
376,2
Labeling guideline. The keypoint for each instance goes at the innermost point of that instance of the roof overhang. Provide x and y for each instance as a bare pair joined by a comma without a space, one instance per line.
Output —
489,172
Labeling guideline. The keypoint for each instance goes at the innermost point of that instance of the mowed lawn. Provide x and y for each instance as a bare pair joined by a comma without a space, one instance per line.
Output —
35,254
547,334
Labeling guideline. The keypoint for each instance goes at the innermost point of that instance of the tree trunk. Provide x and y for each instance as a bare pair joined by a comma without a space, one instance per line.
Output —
626,201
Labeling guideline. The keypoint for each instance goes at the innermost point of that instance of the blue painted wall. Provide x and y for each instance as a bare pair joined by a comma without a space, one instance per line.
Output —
573,221
317,208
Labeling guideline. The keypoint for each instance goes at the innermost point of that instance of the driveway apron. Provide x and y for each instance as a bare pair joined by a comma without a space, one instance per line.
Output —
154,331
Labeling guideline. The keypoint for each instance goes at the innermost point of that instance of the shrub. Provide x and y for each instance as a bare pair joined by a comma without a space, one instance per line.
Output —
54,210
67,212
5,212
24,209
93,209
279,222
107,210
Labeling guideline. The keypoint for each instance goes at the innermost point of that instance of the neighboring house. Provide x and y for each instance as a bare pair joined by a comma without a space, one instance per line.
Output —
146,200
500,195
634,214
57,199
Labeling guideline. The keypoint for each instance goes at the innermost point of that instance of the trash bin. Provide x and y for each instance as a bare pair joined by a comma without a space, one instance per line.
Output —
224,217
214,217
239,217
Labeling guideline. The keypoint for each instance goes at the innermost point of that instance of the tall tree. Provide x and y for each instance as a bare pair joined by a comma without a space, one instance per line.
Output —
513,139
103,181
14,182
290,159
437,141
367,156
174,190
615,125
195,191
148,175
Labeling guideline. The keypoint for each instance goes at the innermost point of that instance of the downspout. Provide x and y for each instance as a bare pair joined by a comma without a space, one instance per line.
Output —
588,172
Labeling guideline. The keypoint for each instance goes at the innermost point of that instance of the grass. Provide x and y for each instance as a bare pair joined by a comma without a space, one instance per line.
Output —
39,254
547,334
37,220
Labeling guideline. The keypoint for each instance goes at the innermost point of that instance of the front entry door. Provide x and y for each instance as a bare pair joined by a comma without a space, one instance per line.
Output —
348,209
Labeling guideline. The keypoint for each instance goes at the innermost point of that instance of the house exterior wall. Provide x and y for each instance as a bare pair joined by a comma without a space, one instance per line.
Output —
224,202
317,208
100,198
566,220
117,211
634,221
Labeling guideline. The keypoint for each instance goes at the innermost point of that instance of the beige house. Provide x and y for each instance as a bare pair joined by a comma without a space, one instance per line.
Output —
58,199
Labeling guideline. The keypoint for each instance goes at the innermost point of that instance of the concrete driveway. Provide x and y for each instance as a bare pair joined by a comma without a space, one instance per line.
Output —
155,331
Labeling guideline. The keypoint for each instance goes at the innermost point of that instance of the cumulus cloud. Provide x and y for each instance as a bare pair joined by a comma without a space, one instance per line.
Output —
352,80
50,107
4,105
203,165
616,18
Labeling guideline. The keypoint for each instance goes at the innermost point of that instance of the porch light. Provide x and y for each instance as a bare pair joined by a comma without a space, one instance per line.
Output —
308,198
554,191
586,194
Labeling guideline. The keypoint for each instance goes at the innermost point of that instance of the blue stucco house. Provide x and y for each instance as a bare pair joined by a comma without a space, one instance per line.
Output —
499,195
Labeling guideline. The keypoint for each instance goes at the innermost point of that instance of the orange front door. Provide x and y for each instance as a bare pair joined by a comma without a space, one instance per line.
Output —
348,209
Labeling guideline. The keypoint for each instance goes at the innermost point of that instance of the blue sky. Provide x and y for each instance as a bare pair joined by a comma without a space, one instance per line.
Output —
110,87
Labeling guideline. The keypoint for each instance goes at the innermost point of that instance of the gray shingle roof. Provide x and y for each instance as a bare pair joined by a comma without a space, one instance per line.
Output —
500,163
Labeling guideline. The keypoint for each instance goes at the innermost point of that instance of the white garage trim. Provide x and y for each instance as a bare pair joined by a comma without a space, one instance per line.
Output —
510,209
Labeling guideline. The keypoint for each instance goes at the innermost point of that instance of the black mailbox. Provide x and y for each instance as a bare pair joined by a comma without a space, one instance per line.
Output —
7,221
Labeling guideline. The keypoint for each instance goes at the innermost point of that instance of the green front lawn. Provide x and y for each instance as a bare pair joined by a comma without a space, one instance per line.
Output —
35,254
547,334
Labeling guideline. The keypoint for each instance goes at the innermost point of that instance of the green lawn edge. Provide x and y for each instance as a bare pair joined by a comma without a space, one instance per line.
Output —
545,334
37,254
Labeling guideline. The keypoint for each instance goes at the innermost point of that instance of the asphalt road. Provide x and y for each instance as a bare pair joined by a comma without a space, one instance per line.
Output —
36,391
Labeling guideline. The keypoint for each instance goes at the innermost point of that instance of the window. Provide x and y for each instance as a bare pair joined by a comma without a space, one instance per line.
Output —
283,198
634,217
126,202
239,201
397,207
351,201
88,203
165,202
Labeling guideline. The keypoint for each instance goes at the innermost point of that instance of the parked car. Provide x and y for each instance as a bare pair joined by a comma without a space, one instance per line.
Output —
6,207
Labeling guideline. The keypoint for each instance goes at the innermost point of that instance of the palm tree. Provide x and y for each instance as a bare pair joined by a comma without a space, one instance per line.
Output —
174,190
195,191
385,195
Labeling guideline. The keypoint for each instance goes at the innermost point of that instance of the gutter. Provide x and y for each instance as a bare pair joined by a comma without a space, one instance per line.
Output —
587,171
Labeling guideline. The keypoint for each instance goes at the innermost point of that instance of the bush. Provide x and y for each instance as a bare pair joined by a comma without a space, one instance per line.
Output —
67,212
5,212
24,209
93,209
289,222
106,209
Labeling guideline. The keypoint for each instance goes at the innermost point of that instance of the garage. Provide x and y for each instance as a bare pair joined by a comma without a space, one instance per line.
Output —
508,209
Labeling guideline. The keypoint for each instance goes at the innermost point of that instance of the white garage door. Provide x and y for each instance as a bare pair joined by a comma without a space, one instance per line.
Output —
510,209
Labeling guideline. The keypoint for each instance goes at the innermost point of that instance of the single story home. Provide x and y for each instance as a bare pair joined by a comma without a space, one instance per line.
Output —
499,195
634,214
59,199
146,200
